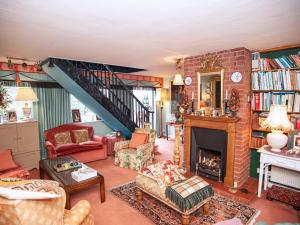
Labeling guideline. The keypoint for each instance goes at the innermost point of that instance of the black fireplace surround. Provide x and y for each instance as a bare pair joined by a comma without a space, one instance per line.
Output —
215,140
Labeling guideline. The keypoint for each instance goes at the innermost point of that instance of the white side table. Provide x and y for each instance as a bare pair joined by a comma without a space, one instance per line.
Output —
281,159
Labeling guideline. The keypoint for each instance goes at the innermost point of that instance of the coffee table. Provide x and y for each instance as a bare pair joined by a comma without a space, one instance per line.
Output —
65,179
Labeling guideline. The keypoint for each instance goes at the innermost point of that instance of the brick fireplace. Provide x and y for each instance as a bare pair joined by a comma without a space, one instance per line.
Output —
233,60
215,126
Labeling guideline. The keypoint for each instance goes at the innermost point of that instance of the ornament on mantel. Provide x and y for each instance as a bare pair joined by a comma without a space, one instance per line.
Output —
234,101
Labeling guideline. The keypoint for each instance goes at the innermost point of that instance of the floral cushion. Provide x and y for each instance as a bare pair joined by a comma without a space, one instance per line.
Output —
81,135
165,173
62,138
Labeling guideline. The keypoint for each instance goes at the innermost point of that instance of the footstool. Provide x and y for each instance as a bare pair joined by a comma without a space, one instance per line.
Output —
149,186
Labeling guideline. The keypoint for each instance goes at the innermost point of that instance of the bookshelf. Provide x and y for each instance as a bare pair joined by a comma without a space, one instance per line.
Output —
275,79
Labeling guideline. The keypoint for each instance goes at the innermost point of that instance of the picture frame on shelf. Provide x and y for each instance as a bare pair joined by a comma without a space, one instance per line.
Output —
11,116
296,142
293,137
76,116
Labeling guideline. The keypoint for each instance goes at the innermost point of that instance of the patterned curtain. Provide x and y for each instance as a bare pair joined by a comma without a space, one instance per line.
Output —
52,109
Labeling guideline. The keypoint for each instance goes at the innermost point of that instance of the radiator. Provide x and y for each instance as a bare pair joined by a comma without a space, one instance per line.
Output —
285,176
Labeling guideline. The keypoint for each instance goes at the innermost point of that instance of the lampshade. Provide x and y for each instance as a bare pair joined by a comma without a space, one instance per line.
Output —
162,94
178,80
277,119
26,94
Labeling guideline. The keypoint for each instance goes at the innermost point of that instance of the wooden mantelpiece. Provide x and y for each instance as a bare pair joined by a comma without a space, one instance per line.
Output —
218,123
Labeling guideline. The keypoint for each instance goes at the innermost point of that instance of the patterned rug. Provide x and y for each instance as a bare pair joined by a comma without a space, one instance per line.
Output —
220,209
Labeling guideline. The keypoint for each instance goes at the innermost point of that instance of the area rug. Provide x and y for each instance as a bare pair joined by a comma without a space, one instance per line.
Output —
220,209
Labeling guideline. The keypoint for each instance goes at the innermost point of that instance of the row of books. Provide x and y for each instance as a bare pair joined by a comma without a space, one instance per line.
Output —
263,101
276,80
283,62
258,118
257,142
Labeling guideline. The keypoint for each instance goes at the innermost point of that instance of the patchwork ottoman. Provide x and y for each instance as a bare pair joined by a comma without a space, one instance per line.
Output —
150,186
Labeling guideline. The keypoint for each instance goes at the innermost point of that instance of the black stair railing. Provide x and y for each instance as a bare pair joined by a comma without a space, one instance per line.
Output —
105,86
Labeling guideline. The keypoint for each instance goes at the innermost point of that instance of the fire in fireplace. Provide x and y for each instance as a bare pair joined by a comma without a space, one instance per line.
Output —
208,153
209,164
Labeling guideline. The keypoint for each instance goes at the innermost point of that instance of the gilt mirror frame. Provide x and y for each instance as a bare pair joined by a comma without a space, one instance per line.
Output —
217,71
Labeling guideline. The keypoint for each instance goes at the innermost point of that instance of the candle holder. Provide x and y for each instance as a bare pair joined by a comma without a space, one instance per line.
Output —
226,107
192,109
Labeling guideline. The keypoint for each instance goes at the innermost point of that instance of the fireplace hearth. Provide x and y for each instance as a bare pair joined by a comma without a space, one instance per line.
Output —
208,153
212,133
210,164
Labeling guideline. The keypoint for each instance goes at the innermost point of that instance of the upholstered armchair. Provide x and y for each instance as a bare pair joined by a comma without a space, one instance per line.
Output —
46,211
135,158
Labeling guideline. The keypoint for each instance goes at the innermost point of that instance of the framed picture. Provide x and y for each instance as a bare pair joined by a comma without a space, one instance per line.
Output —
11,116
76,115
294,140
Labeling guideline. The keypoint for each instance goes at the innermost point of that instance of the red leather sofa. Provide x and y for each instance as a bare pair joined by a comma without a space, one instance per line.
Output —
95,148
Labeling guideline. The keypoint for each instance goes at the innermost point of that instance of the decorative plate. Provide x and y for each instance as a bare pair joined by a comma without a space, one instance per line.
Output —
236,77
188,81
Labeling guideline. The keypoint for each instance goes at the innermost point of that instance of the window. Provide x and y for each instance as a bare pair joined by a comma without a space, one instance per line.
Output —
86,114
17,105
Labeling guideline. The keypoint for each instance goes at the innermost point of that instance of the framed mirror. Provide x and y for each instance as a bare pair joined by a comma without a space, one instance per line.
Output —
210,90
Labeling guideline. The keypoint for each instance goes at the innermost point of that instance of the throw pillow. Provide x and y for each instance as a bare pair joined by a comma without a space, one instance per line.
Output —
14,188
6,160
137,139
81,135
63,138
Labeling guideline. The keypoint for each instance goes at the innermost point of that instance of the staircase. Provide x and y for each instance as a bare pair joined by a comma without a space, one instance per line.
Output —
99,88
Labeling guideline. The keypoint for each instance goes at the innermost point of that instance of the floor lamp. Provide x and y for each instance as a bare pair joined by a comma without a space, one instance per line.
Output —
162,97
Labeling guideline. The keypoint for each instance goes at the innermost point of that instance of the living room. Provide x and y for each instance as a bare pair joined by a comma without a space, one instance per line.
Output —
108,107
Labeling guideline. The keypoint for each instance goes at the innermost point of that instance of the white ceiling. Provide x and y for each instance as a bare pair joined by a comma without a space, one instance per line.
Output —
141,33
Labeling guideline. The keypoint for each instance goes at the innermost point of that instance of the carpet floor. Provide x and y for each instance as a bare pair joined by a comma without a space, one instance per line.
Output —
220,209
115,211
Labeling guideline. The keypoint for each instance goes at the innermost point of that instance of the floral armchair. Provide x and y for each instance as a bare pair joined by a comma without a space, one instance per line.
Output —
45,211
135,158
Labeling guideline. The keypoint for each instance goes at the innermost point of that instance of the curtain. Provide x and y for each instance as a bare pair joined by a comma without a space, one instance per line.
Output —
52,109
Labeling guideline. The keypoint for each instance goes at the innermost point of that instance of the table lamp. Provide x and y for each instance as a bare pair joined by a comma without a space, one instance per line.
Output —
26,94
278,122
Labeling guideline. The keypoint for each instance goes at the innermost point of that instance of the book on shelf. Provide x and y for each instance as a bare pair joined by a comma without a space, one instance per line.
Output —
276,80
257,142
282,62
263,100
295,120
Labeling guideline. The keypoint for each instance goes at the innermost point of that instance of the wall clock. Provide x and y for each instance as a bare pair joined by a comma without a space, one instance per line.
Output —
236,77
188,81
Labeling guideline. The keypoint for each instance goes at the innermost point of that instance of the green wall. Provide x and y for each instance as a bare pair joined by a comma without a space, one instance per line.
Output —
100,127
254,163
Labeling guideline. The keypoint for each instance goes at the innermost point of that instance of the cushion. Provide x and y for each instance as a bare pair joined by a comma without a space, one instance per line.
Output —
137,139
81,135
14,188
66,147
7,161
91,144
63,138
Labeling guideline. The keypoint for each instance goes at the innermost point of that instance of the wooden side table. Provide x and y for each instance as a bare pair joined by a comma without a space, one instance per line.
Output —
111,143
